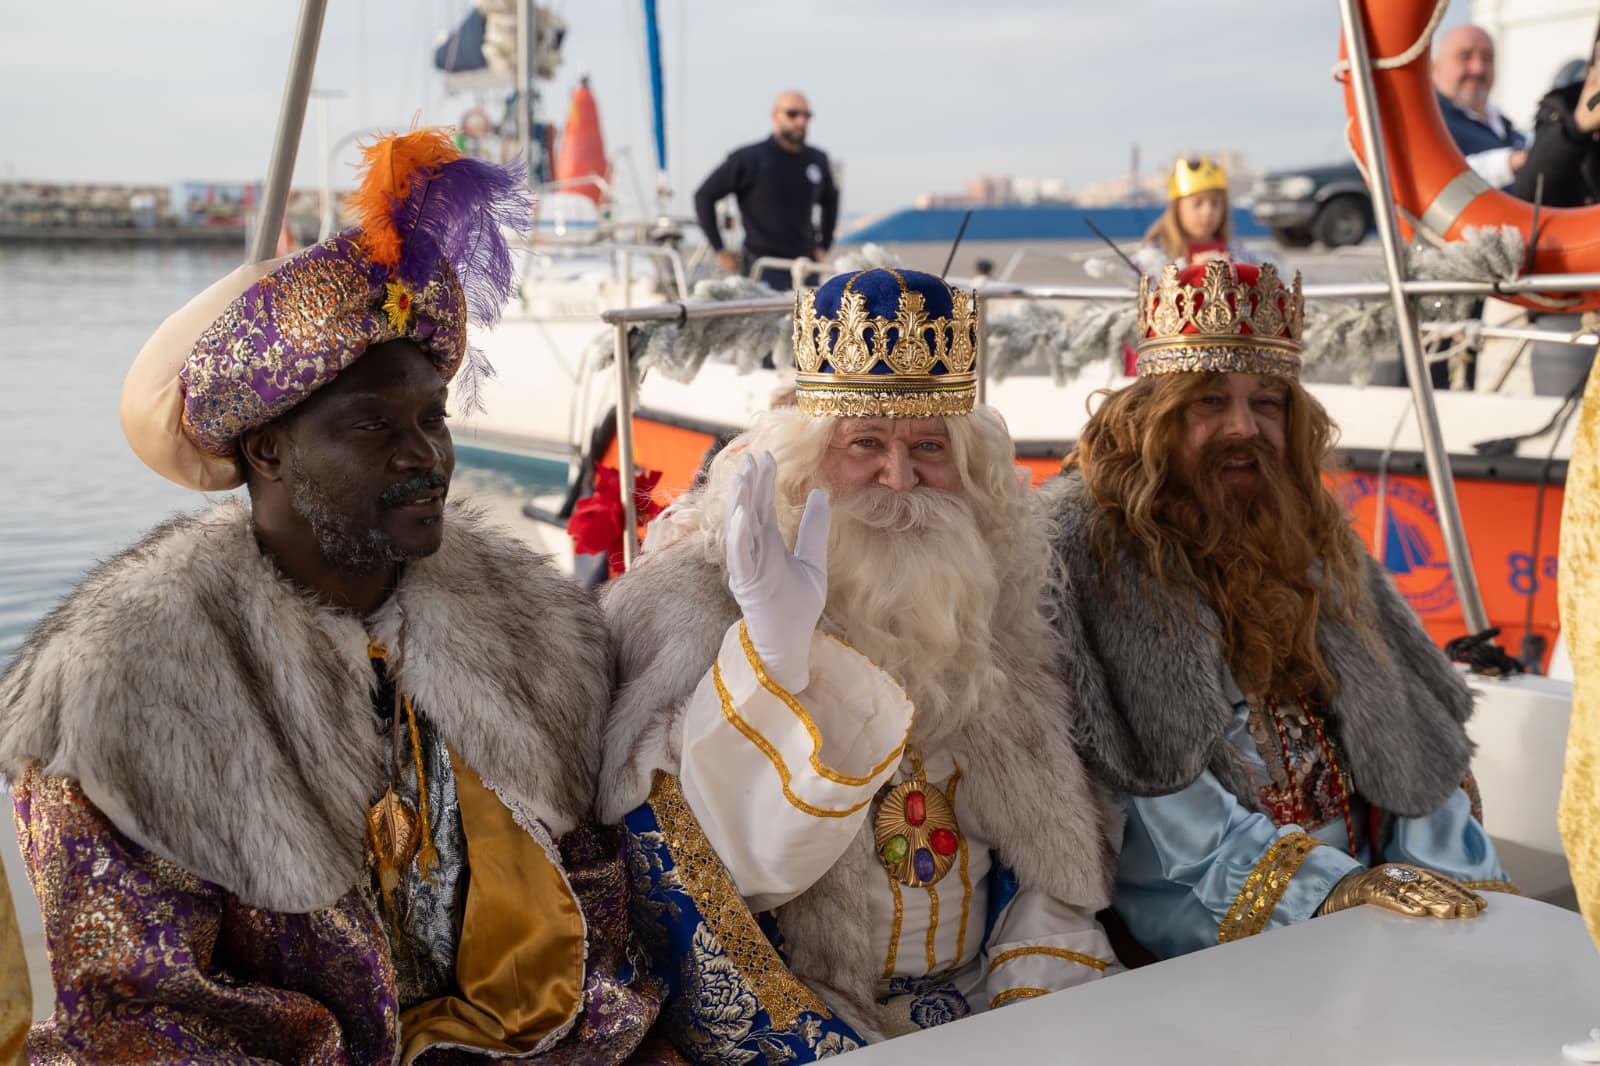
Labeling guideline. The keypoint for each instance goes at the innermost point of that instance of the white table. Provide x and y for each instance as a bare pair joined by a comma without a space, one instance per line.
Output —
1363,987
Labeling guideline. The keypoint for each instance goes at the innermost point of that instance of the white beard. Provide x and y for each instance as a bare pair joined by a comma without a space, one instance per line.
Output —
914,586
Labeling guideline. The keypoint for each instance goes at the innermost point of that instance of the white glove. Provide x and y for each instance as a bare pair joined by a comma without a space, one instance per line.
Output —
781,595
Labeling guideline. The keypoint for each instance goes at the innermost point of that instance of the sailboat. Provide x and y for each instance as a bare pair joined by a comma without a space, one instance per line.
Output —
552,373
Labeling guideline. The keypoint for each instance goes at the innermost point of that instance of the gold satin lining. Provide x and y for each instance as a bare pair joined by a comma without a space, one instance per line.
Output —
16,1000
1579,814
519,965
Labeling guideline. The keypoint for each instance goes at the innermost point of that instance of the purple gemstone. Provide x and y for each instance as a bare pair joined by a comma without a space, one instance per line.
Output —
922,864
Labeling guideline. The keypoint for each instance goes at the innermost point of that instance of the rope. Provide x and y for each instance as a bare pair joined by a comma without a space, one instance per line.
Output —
1416,49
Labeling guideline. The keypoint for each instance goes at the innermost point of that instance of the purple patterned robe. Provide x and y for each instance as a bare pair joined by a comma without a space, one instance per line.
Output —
151,963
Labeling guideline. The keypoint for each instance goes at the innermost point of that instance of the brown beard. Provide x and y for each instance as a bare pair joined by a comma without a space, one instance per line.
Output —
1252,553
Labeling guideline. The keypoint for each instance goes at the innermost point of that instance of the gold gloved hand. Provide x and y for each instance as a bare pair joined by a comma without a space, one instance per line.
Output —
1403,889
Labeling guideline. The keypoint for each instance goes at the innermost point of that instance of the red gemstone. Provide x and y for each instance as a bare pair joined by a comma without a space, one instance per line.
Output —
916,808
943,841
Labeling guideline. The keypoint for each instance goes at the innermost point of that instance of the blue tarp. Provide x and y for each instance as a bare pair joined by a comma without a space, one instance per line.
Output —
1038,222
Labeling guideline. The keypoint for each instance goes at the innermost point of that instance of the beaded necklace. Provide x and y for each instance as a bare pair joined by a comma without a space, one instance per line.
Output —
1301,814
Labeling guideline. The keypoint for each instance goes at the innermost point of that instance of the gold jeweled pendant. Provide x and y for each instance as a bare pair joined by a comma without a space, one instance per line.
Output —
393,833
916,832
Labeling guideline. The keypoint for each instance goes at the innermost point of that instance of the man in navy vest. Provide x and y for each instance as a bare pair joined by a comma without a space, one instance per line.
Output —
1463,75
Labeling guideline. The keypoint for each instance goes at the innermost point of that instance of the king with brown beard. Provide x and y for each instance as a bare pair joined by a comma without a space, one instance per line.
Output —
1285,740
838,728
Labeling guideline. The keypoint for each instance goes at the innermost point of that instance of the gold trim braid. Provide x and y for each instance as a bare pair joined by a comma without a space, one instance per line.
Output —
1265,887
1493,886
781,994
966,879
753,735
1055,953
894,932
783,696
1012,994
828,398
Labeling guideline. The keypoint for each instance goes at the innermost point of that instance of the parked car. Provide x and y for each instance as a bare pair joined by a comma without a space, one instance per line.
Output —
1328,204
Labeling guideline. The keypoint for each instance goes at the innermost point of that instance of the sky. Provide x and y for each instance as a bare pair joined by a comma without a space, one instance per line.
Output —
910,98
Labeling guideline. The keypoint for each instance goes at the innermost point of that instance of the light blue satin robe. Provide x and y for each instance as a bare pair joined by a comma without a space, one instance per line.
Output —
1185,856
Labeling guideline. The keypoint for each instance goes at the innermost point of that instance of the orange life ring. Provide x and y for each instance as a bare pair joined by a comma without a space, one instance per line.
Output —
1430,179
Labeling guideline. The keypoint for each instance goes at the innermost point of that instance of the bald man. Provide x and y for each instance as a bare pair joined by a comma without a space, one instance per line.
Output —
781,183
1463,76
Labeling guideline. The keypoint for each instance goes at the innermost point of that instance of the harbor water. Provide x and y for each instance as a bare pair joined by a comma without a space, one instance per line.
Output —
74,317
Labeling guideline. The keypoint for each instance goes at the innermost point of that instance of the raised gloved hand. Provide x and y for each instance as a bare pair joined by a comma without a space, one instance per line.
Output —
1403,889
780,594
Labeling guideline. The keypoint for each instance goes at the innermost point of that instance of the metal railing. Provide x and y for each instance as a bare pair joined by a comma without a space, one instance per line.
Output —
799,268
621,318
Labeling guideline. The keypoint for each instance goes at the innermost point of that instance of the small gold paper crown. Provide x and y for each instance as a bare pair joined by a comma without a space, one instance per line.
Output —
1220,317
885,344
1190,176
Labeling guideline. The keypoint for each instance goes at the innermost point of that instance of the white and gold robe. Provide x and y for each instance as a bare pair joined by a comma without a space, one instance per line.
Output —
784,787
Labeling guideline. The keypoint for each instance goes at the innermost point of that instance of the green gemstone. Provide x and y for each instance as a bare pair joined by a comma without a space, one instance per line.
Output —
896,848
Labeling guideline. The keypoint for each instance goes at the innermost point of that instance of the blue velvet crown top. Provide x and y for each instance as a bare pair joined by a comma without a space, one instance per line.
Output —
885,343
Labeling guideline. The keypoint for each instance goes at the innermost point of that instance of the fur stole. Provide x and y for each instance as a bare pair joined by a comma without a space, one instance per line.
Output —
1032,797
1150,678
222,718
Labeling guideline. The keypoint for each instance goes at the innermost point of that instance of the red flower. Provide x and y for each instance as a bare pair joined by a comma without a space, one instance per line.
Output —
597,520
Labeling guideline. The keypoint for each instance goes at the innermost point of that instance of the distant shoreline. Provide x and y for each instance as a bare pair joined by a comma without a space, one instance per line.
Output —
167,235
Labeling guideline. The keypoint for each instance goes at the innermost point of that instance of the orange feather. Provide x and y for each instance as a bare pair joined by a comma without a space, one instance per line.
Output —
389,166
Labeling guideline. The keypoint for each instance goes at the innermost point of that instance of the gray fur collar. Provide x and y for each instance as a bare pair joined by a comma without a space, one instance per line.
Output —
222,718
1150,680
1020,771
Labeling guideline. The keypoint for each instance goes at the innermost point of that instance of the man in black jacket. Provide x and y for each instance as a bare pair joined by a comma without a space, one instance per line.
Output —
779,182
1566,144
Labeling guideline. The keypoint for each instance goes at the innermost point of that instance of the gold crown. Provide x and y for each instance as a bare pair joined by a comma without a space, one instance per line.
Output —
925,369
1232,319
1190,177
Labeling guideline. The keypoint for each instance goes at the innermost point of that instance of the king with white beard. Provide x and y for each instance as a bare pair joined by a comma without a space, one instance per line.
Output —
840,732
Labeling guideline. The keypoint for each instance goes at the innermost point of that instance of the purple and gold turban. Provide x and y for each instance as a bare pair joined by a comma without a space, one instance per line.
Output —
429,255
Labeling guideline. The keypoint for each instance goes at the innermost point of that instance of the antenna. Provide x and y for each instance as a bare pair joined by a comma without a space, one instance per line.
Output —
1098,232
959,233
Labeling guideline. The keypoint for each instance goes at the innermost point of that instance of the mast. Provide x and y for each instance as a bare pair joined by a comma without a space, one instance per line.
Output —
527,36
291,119
652,40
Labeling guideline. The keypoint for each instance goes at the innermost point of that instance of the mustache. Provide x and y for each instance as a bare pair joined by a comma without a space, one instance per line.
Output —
1215,453
394,494
887,510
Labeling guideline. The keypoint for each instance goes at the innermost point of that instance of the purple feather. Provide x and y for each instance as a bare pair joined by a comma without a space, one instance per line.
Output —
461,214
